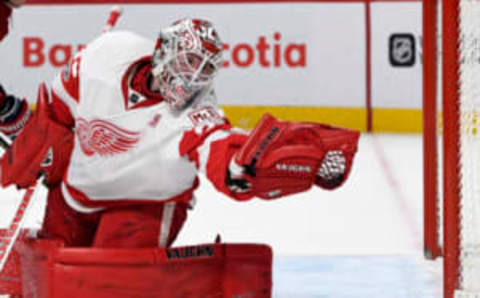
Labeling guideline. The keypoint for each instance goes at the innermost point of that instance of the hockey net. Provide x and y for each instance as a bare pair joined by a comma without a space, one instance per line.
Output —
10,277
451,34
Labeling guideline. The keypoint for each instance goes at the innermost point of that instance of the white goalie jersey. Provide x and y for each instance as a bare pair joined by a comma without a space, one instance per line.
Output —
129,146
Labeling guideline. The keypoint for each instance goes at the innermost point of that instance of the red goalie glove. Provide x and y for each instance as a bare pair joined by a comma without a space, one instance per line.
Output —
43,146
282,158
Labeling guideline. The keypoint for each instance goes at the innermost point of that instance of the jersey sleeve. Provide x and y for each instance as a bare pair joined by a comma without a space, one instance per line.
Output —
65,94
211,144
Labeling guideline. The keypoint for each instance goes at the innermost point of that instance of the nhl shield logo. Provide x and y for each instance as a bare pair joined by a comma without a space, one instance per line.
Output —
402,50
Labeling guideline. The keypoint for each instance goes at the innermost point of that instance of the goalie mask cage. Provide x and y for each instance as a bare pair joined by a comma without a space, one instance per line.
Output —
451,40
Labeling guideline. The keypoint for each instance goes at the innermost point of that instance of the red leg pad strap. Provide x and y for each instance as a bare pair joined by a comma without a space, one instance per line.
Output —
216,270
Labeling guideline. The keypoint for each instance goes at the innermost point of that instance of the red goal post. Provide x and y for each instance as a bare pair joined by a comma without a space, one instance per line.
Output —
430,74
451,36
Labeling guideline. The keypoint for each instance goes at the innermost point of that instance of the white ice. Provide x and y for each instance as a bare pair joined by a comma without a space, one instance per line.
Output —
362,240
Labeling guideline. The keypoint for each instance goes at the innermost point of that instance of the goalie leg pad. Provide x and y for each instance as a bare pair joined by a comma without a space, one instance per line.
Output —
137,226
63,222
214,270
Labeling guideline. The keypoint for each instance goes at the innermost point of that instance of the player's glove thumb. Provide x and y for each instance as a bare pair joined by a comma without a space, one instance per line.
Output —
236,179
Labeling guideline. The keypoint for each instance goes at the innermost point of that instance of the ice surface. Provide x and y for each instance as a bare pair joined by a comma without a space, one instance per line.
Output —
362,240
356,277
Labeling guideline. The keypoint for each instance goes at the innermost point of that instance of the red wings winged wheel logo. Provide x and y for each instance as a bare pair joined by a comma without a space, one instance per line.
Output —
104,138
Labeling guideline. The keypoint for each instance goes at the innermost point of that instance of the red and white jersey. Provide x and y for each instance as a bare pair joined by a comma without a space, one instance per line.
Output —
130,147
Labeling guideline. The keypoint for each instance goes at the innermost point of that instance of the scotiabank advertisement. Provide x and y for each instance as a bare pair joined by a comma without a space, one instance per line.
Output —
345,55
275,54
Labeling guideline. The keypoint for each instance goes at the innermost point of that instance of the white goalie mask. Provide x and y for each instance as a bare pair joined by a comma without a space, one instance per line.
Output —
187,57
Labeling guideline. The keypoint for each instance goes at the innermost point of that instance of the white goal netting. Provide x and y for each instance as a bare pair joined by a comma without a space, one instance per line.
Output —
454,27
469,95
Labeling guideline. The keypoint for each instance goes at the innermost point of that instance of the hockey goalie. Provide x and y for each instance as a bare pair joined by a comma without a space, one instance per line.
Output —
120,138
